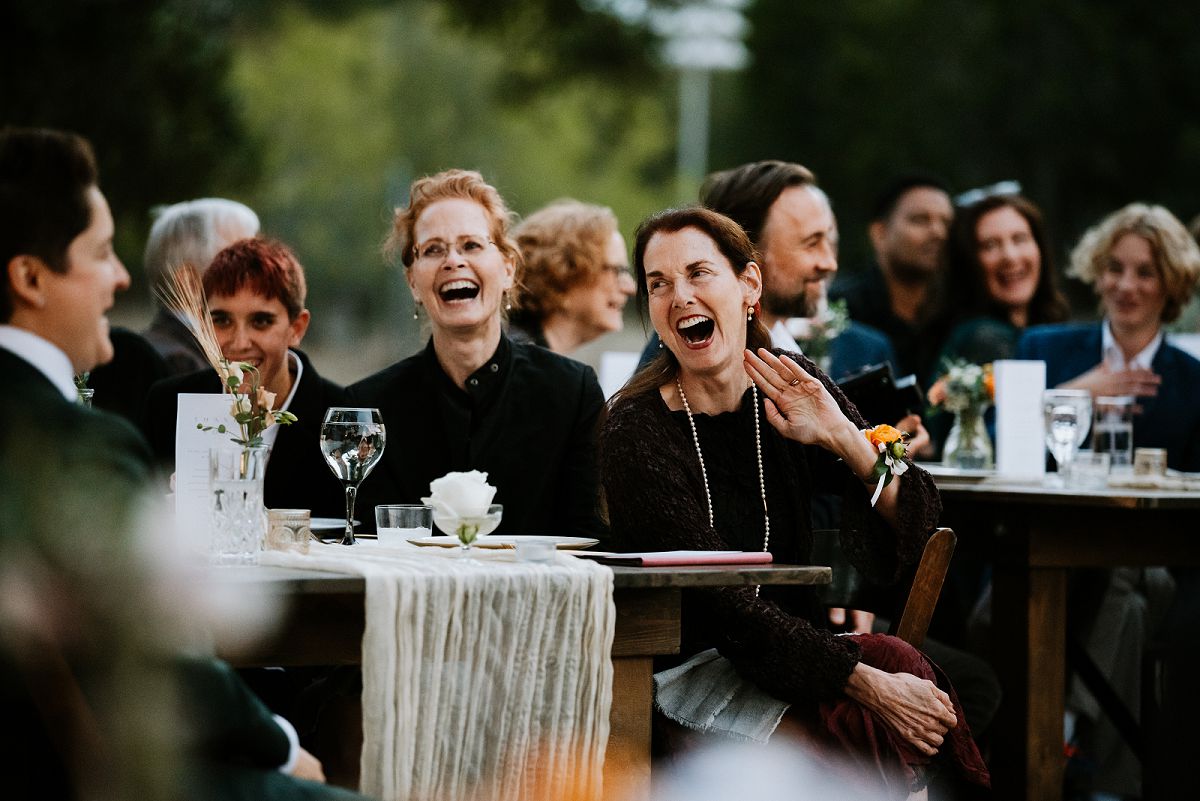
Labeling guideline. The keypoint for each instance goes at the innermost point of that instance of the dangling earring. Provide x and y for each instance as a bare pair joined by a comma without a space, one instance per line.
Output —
507,302
660,344
749,313
416,305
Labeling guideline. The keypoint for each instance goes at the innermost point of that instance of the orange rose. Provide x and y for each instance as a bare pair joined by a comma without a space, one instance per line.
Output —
883,435
989,382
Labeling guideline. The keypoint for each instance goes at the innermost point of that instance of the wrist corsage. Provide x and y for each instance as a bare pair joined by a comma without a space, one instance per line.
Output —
892,449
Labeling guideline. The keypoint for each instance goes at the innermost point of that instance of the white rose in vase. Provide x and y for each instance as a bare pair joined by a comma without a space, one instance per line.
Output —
458,497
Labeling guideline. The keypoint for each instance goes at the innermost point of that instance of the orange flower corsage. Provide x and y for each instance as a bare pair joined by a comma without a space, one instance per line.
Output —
892,448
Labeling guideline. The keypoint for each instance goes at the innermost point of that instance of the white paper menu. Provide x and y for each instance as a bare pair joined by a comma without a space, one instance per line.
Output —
1020,422
191,456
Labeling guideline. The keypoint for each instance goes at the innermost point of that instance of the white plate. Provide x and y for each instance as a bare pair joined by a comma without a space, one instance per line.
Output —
955,473
328,523
509,541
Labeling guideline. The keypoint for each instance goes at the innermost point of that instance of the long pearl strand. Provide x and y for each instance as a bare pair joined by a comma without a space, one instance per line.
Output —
762,485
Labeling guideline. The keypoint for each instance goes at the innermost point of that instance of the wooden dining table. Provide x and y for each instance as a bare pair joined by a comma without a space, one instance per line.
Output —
324,618
1035,535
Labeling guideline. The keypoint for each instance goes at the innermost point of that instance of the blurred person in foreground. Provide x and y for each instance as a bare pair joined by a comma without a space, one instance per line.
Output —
575,281
191,232
910,223
474,399
720,444
256,293
86,675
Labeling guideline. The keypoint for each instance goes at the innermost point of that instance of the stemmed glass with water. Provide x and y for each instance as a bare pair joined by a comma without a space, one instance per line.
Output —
1068,418
352,443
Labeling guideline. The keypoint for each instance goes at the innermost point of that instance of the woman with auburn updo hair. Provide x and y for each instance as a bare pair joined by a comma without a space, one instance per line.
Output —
576,279
474,399
720,444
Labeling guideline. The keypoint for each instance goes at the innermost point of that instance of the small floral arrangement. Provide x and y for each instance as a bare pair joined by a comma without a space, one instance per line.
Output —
461,501
253,408
965,387
815,334
892,448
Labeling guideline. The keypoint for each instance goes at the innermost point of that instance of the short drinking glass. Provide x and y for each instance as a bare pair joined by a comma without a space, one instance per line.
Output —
397,524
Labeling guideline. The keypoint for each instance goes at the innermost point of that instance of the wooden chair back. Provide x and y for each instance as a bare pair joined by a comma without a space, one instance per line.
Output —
926,587
850,591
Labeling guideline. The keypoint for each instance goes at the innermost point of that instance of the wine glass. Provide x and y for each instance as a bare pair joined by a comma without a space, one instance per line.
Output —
1068,418
467,528
352,442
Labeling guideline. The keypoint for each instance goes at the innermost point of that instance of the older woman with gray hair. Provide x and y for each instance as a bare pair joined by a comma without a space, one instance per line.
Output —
576,279
191,232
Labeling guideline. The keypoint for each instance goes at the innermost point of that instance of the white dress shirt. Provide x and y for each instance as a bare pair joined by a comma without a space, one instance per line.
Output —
782,338
1114,357
268,436
43,354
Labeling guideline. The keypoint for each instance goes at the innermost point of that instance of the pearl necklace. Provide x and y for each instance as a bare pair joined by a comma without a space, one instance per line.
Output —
762,486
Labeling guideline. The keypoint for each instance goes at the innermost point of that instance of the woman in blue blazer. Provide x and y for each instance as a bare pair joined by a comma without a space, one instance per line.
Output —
1144,266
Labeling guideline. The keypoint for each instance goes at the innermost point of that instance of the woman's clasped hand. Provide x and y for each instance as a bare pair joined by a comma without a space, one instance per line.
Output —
913,707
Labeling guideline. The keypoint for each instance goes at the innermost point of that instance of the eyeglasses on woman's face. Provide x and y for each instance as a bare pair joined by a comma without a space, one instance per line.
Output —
436,251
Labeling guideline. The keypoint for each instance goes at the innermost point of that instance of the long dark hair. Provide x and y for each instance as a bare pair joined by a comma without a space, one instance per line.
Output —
966,289
733,244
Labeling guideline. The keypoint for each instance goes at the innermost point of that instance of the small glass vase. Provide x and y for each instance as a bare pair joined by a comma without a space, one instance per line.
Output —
239,521
968,446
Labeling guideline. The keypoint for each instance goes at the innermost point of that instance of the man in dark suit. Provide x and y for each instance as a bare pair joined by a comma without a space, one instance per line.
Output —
256,292
82,673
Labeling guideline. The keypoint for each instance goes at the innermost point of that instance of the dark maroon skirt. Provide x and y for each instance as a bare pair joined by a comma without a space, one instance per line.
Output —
855,734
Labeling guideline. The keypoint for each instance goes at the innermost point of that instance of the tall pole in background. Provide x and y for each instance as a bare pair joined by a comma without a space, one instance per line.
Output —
699,39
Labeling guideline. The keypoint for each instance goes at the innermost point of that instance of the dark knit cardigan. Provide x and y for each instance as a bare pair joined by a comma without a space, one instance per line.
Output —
656,501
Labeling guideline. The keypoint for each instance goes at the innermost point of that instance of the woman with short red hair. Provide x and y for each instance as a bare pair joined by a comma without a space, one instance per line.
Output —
256,292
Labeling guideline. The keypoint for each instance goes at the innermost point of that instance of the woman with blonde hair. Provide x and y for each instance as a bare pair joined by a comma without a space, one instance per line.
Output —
576,280
1144,266
474,399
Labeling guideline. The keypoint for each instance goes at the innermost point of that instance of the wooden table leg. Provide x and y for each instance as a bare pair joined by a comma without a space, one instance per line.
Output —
1029,618
1047,686
627,760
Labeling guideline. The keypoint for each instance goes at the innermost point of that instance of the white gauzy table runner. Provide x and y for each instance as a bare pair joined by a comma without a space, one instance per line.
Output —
487,679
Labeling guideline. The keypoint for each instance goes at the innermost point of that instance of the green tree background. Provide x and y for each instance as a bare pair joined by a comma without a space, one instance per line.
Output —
319,114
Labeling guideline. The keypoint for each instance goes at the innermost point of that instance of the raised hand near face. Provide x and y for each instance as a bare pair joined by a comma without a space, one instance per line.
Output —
798,405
